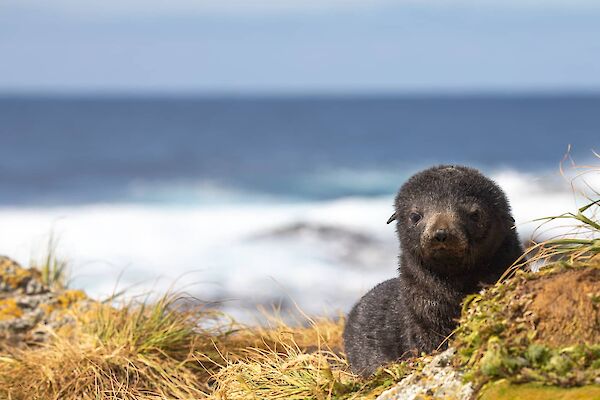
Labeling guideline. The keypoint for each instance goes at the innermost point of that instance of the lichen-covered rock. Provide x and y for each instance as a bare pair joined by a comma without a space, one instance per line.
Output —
438,380
16,279
27,306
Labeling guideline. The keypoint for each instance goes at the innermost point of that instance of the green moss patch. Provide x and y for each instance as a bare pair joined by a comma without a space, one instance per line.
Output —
535,327
504,390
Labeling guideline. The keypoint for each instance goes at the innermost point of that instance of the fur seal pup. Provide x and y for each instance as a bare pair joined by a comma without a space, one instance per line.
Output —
456,234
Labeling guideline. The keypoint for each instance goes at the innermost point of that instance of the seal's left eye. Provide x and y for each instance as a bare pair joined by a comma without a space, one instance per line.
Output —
475,215
415,217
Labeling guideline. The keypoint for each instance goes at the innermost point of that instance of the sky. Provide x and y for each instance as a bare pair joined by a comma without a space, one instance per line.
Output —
298,46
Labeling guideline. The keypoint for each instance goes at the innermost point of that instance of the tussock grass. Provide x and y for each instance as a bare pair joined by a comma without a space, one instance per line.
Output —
283,362
572,249
54,270
165,350
582,243
304,362
303,332
86,369
294,374
138,351
287,374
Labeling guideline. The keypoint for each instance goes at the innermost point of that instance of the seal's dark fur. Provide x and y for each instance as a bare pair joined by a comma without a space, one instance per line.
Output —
456,233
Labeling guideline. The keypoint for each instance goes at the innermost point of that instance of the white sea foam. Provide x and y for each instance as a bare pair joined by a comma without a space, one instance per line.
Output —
222,253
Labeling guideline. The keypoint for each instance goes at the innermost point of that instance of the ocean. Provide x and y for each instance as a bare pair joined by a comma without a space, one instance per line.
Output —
263,201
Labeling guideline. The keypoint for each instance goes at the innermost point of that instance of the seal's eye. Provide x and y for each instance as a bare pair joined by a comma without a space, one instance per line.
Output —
475,215
415,217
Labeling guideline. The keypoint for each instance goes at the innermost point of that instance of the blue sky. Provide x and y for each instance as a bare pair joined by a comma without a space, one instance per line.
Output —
299,46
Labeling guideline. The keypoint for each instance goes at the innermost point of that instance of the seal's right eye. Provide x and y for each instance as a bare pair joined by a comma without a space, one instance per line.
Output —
415,217
475,216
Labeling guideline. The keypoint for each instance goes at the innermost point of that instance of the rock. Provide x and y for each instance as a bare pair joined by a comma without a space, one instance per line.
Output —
334,243
438,379
28,307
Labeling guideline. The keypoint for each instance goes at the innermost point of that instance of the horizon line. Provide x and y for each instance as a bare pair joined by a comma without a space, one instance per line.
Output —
252,94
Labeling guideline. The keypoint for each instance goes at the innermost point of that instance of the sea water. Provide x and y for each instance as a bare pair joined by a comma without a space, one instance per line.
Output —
247,201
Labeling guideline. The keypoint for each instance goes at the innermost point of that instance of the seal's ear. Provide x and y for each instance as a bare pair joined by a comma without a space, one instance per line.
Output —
392,218
511,222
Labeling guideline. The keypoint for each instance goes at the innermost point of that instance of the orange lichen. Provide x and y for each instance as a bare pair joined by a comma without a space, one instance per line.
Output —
14,275
63,301
70,297
9,309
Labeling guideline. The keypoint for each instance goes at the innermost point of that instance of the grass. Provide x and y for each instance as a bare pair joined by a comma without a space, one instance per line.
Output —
54,270
294,374
166,351
569,249
287,374
161,350
133,352
288,366
582,243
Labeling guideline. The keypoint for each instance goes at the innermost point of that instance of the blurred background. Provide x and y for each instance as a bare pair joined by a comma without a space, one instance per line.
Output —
248,152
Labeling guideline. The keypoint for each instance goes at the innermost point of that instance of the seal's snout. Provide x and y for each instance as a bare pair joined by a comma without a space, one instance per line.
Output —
440,235
442,228
443,238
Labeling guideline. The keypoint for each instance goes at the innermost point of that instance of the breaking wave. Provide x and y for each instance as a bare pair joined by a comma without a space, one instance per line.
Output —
241,249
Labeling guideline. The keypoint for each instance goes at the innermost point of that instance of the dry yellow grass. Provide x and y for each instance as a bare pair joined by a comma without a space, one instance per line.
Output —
287,374
291,362
143,351
134,352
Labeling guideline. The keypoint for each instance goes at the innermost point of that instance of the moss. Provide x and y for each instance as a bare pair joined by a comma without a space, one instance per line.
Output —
9,309
504,390
496,361
501,334
537,354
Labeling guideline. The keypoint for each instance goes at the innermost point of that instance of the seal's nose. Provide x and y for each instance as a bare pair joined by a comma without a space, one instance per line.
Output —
440,235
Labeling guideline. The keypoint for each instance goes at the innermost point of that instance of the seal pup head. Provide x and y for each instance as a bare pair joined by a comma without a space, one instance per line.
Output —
451,219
